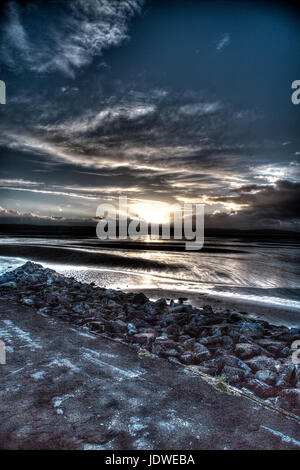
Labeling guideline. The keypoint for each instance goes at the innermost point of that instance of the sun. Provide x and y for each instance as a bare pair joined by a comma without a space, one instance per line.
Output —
151,211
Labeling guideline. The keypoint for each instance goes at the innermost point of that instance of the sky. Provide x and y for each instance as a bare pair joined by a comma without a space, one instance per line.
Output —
160,101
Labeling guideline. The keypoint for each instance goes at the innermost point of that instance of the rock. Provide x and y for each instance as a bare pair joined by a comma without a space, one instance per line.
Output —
246,350
8,284
226,341
295,332
173,330
205,370
166,342
139,299
112,304
118,326
214,365
285,352
233,361
275,401
177,308
77,308
250,329
266,376
210,340
28,301
160,305
97,326
201,353
188,344
261,389
207,309
287,375
144,338
131,328
172,353
187,358
233,375
274,347
235,317
149,330
261,363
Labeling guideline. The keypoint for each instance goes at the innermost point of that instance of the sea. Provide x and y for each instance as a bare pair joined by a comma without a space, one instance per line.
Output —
264,272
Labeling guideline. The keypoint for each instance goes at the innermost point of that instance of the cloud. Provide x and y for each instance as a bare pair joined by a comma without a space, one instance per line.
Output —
84,30
201,108
274,205
8,216
104,118
223,42
276,171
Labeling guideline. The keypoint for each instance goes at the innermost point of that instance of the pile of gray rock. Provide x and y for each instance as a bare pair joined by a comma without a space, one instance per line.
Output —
243,352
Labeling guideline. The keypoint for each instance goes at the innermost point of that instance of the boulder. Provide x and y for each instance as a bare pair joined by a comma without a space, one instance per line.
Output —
201,353
249,329
246,350
143,338
139,299
261,389
131,328
188,344
214,365
173,330
166,342
261,363
171,353
28,301
119,327
274,347
234,375
233,361
187,358
287,375
207,309
266,376
97,326
210,340
11,284
178,308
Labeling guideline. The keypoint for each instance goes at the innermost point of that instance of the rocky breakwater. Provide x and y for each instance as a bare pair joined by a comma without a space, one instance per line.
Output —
248,354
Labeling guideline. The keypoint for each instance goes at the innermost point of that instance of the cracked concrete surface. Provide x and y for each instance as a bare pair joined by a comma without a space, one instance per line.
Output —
63,388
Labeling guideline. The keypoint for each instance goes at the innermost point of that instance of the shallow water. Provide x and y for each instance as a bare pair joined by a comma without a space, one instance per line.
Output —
263,272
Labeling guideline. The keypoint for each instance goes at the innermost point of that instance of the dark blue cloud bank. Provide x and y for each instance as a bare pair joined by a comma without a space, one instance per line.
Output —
182,101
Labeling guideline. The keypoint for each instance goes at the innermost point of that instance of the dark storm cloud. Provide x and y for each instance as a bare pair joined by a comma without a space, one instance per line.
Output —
276,205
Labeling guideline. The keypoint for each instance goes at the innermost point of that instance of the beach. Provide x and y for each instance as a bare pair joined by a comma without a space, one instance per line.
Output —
238,350
260,277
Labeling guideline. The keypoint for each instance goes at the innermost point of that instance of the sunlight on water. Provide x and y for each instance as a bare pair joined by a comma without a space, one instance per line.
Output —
257,272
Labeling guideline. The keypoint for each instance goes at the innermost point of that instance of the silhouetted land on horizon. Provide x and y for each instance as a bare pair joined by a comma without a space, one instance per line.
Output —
62,231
